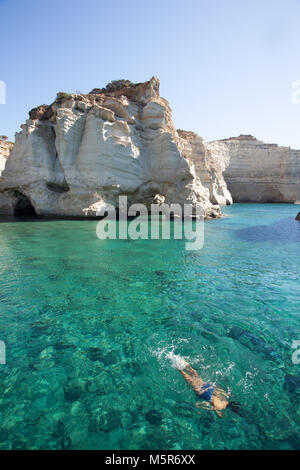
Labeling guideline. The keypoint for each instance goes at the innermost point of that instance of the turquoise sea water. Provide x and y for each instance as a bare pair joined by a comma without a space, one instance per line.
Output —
89,326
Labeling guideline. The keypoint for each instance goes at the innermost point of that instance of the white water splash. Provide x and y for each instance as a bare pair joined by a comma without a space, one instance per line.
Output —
177,361
167,353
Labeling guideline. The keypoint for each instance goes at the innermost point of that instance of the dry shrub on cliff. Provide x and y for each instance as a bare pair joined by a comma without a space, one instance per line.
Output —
113,86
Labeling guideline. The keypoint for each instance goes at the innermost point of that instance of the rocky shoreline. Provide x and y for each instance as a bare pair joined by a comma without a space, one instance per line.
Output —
83,151
260,172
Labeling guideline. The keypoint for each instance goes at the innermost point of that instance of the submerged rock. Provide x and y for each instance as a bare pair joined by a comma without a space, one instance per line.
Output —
41,326
73,390
253,342
154,417
294,441
65,443
110,421
110,358
64,346
292,383
235,332
95,354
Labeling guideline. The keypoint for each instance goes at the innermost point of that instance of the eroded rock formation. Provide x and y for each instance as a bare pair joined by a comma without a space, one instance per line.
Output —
5,149
83,151
259,172
210,163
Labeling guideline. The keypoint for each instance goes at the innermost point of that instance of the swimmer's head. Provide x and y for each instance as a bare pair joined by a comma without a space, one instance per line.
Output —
234,406
219,402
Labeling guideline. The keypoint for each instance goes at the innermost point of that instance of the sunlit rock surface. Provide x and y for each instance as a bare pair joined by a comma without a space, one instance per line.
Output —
83,151
210,162
5,149
260,172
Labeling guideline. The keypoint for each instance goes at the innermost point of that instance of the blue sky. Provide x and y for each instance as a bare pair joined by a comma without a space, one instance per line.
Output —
226,66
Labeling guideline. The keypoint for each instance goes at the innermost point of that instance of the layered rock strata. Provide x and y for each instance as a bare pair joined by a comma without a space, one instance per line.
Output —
210,163
5,149
260,172
79,154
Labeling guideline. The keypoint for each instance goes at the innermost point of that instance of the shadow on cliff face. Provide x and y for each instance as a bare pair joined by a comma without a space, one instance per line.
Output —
272,195
284,231
23,207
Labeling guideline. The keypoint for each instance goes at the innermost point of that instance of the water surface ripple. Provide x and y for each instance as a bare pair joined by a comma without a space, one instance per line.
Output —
89,326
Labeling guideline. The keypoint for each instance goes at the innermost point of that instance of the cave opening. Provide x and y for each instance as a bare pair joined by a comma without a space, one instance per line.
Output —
272,194
23,206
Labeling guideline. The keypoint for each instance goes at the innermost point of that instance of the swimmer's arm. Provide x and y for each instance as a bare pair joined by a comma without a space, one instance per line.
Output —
193,371
204,404
222,392
207,406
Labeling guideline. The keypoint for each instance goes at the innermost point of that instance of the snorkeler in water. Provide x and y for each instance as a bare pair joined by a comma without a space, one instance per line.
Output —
214,398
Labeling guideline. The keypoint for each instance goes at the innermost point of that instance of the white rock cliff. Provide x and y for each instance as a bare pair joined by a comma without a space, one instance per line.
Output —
83,151
209,163
5,149
259,172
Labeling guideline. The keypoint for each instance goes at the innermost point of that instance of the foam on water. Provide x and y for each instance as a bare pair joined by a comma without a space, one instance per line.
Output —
177,361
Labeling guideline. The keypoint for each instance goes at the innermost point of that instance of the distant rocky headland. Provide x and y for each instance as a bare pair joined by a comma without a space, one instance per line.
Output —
83,151
260,172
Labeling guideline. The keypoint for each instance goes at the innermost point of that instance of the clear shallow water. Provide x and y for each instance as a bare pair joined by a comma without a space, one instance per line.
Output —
89,324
